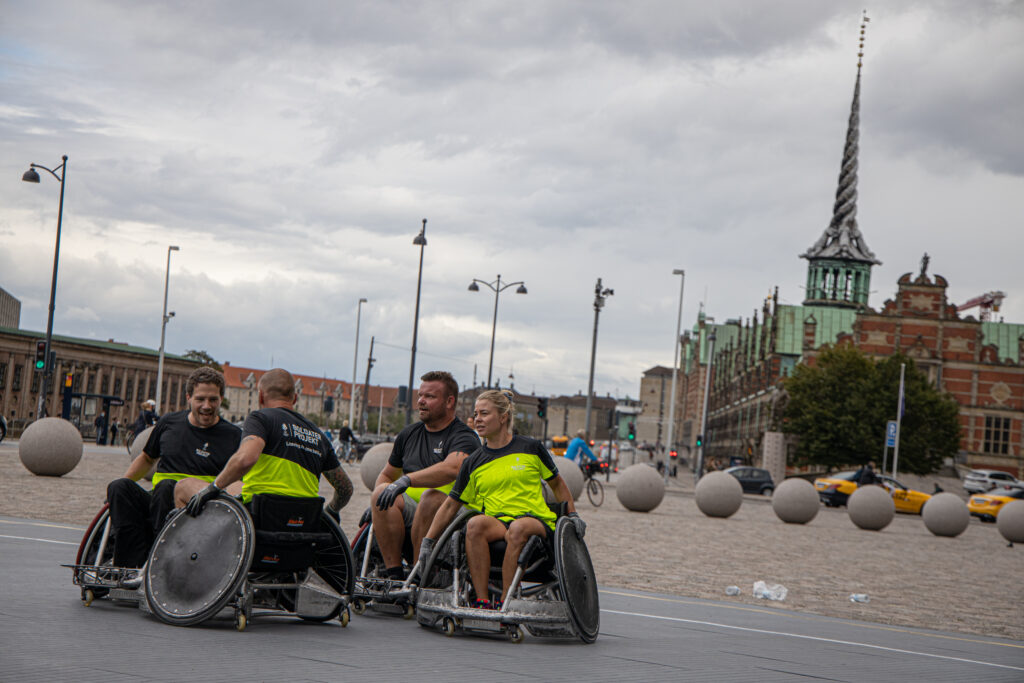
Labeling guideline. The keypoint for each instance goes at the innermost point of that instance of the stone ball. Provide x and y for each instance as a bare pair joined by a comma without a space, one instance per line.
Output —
50,447
640,488
796,501
1010,521
138,445
572,475
373,462
871,507
719,494
946,514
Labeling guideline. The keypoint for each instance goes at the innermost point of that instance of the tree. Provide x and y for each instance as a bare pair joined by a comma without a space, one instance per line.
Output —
839,408
204,358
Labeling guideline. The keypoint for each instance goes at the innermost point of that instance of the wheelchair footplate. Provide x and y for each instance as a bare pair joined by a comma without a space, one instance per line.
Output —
546,618
389,596
107,581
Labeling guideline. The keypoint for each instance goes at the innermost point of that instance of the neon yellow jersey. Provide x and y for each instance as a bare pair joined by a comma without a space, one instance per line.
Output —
506,482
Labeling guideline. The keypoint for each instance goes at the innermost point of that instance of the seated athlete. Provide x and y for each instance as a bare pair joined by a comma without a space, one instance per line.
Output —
190,443
420,471
503,479
281,453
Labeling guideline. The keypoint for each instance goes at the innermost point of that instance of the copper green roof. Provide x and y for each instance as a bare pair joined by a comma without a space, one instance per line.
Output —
831,322
81,341
1006,336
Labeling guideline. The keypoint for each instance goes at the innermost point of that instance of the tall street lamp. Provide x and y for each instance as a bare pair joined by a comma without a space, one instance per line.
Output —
421,241
704,411
497,287
355,361
30,176
600,294
675,371
163,333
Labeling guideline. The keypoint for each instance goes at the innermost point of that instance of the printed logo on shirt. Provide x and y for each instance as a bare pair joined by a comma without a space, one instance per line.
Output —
203,451
439,448
517,467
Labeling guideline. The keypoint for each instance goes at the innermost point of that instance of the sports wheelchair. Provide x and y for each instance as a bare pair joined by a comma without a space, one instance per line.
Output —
553,592
94,571
374,590
288,556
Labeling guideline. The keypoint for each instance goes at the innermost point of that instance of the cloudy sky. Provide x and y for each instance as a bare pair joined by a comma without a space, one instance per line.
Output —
292,150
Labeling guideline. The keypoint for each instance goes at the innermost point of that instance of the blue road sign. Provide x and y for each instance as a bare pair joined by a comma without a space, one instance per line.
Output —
890,433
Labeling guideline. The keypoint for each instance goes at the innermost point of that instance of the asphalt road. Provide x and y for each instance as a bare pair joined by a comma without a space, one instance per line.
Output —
47,634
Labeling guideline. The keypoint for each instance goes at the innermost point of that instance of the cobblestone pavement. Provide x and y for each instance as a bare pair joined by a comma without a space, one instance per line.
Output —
968,584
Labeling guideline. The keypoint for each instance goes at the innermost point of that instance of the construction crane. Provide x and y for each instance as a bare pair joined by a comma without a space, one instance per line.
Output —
986,302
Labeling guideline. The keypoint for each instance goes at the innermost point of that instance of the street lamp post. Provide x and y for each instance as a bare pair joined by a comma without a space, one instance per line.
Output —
355,361
497,287
704,411
30,176
599,296
675,371
421,241
163,333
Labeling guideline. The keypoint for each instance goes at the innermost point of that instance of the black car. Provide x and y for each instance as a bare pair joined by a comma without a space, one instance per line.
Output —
753,479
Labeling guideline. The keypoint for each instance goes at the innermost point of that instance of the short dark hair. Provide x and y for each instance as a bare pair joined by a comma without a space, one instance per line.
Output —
204,375
445,378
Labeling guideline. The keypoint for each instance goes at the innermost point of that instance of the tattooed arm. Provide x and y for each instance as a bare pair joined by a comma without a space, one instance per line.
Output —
342,488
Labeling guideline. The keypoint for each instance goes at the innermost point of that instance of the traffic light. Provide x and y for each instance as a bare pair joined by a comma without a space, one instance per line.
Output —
700,441
632,432
542,408
40,355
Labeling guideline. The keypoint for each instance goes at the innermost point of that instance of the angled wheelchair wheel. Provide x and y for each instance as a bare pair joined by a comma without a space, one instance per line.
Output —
198,564
89,552
333,561
437,570
577,580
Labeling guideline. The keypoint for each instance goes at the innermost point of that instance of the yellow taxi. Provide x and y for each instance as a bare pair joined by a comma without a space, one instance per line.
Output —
986,506
559,445
836,489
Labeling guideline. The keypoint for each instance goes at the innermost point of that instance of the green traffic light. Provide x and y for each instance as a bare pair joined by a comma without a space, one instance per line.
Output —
40,364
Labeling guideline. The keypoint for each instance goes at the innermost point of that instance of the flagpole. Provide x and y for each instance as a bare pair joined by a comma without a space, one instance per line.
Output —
899,419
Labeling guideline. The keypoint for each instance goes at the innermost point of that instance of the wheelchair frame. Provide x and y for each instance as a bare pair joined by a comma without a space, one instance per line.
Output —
99,578
379,593
249,593
544,608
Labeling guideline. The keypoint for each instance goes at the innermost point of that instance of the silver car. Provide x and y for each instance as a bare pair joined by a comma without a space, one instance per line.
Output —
981,481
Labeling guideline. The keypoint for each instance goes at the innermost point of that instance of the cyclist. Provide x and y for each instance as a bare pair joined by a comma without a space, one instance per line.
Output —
348,441
503,479
189,443
578,448
423,464
281,453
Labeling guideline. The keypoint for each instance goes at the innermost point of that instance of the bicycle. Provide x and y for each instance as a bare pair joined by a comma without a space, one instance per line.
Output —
595,490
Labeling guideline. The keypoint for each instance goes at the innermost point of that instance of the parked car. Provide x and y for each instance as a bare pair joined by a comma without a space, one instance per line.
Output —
835,489
980,481
753,479
986,506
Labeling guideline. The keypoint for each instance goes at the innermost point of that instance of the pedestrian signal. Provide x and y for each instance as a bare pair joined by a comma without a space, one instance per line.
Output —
41,354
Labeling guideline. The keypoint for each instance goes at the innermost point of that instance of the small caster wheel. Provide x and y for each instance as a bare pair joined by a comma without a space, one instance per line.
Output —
240,621
515,634
358,606
344,617
409,612
448,626
88,596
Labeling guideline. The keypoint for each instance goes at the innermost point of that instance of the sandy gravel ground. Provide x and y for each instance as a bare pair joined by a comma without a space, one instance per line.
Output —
969,584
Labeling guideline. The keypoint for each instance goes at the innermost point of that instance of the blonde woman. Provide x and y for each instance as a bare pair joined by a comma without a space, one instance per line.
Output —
503,480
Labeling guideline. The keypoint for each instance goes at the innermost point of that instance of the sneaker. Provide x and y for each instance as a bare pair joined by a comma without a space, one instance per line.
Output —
482,604
496,605
132,579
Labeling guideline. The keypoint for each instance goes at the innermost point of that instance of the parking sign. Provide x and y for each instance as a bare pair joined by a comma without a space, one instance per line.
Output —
890,434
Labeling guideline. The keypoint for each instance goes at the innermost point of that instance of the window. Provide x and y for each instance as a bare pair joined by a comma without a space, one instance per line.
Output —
104,384
3,375
19,370
90,384
117,387
997,435
128,391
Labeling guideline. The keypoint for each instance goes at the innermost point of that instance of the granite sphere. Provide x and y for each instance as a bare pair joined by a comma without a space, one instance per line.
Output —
373,462
1010,521
719,494
945,514
796,501
572,475
871,508
137,447
50,447
640,488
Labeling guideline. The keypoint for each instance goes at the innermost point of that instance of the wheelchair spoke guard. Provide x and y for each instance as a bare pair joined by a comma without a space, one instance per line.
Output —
198,563
578,581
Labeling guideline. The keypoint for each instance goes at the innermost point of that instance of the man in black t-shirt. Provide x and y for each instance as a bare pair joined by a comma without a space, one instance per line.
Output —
424,462
188,443
281,453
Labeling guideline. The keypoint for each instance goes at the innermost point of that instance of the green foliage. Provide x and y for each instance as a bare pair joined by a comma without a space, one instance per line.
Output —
840,406
204,358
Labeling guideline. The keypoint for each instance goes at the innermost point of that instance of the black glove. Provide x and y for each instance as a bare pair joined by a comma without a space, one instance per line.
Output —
332,513
199,501
581,526
389,495
426,547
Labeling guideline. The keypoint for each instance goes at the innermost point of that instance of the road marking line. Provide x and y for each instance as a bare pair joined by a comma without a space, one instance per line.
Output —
43,524
817,638
813,617
41,540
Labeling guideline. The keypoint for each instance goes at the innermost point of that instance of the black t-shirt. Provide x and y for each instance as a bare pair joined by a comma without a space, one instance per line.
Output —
345,434
294,456
181,448
416,448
